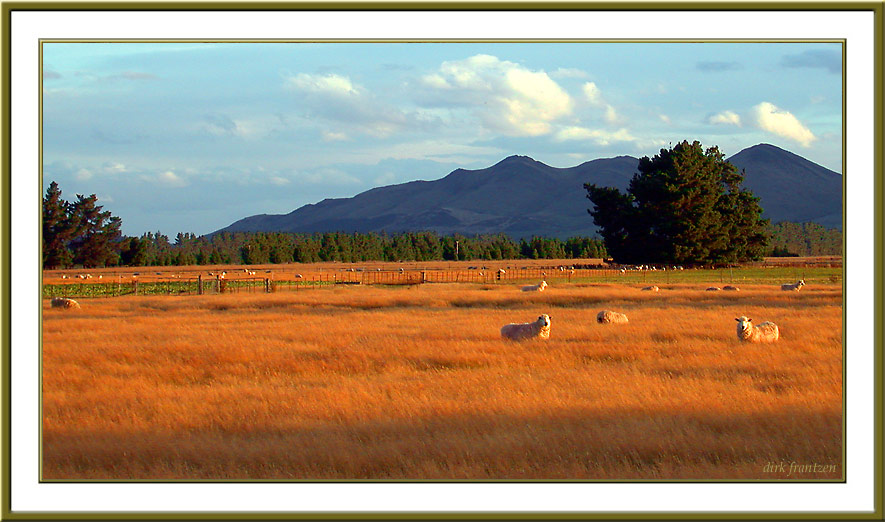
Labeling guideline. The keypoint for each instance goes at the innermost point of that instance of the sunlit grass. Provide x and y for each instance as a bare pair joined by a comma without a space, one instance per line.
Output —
415,383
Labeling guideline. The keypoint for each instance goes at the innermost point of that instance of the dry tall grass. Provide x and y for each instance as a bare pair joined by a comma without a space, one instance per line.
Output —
416,383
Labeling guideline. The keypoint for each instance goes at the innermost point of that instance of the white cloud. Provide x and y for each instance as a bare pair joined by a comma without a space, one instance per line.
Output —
725,118
337,99
505,96
112,167
279,181
592,93
171,178
331,84
257,127
594,97
83,174
772,119
611,115
334,136
601,137
664,118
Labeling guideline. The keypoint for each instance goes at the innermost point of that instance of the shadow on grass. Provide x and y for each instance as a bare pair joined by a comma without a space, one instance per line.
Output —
576,444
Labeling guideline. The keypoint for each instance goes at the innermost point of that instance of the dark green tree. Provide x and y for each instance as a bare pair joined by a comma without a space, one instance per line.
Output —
683,206
58,229
97,233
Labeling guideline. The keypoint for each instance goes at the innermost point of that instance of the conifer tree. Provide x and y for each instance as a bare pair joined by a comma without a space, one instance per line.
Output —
58,229
683,206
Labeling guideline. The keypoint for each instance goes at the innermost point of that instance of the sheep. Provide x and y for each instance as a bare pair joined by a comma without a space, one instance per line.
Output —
794,286
766,332
652,288
539,329
63,302
731,288
535,288
713,289
609,317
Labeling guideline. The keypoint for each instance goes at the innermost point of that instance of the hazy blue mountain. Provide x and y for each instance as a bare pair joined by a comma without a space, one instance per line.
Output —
522,197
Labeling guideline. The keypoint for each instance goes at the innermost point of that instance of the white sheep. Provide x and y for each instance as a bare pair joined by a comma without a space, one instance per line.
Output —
609,317
63,302
766,332
539,329
731,288
652,288
794,286
535,288
713,289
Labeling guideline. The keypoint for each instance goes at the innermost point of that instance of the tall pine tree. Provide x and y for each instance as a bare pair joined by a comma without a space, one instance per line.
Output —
97,233
58,229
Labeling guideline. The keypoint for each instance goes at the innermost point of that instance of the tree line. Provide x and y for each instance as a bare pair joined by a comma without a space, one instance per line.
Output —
250,248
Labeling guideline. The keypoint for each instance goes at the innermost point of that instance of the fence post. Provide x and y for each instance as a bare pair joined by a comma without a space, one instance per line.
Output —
135,291
266,285
199,284
218,284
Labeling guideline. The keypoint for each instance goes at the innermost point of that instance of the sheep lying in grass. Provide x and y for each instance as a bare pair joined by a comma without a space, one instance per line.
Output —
535,288
766,332
793,286
731,288
609,317
713,289
63,302
652,288
539,329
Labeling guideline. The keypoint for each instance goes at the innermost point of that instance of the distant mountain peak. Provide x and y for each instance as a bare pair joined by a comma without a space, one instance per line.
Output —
516,159
522,197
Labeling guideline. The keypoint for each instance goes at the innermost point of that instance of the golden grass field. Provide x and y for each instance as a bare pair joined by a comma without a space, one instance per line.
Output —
415,382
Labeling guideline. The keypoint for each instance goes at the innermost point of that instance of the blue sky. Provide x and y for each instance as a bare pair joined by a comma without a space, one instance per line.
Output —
189,137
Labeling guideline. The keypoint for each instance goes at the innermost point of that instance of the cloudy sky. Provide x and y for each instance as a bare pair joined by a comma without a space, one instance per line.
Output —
190,137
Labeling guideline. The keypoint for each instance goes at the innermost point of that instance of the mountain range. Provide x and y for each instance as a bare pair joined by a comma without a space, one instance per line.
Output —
521,197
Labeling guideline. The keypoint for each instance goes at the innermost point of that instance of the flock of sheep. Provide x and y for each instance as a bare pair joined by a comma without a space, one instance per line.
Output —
746,331
540,328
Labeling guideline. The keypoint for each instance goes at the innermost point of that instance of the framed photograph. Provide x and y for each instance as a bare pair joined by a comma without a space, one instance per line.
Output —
442,261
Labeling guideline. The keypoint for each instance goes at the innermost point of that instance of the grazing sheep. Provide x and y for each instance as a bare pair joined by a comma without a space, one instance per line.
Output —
609,317
731,288
535,288
713,289
794,286
519,331
652,288
63,302
766,332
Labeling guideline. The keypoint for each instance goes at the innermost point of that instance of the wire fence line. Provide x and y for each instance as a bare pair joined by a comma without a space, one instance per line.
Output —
200,282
